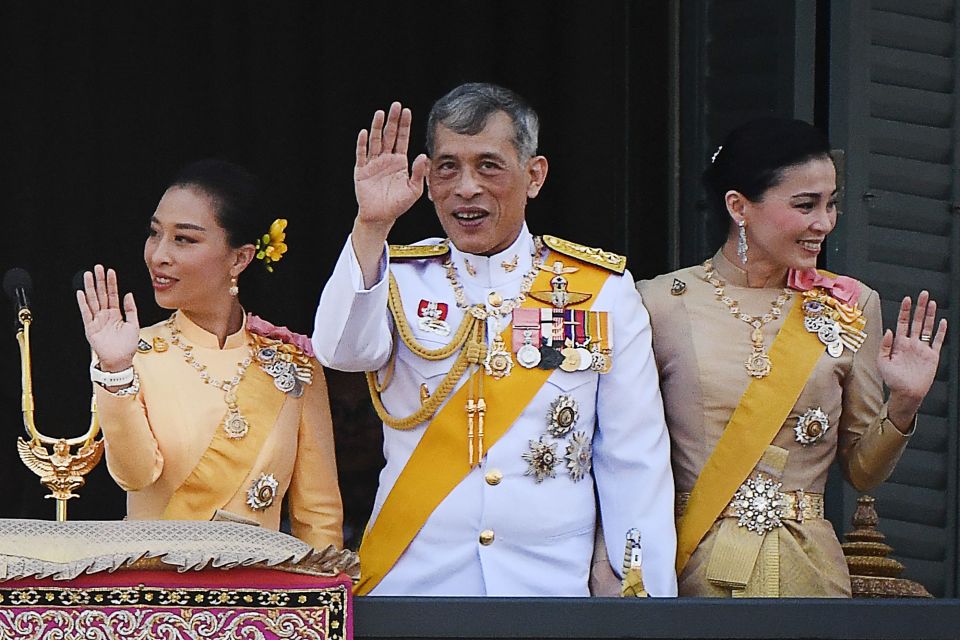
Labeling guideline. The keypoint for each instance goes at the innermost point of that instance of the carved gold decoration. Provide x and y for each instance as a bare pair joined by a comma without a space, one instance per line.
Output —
60,471
410,251
592,255
872,573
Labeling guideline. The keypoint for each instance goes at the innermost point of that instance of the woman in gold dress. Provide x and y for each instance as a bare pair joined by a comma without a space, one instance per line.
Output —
212,413
771,369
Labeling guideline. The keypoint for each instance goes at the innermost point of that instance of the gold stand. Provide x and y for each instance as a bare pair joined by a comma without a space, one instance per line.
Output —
60,470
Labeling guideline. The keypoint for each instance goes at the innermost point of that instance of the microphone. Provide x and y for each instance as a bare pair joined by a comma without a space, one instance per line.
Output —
19,287
78,280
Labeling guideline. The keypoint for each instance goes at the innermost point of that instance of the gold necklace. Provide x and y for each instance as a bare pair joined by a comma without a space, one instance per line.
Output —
234,423
498,306
758,364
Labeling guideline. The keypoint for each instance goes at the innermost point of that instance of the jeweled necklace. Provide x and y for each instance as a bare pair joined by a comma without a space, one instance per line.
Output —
758,364
234,423
498,306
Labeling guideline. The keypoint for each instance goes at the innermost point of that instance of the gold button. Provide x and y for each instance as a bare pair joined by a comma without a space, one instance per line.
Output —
493,477
495,299
486,537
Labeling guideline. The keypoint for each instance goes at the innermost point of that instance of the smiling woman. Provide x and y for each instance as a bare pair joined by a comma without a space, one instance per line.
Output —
771,369
211,413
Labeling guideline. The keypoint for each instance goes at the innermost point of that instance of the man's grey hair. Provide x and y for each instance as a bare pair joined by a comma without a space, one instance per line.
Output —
466,109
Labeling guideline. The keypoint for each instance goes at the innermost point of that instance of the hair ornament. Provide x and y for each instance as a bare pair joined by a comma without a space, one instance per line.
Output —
713,158
270,246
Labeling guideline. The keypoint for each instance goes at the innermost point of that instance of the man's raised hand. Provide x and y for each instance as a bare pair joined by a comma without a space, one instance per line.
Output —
384,187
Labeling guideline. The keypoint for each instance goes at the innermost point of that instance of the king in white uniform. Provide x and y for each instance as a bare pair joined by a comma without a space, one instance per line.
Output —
521,520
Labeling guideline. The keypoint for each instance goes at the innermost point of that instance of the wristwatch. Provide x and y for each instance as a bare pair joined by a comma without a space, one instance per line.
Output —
111,378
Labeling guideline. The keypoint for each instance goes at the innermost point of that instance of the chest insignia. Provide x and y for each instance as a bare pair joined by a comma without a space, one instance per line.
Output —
678,288
566,339
559,295
811,426
432,317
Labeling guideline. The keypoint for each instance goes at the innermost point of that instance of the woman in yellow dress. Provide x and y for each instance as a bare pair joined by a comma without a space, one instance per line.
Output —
212,413
771,369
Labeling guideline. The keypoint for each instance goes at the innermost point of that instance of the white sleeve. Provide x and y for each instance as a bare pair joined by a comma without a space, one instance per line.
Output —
352,329
631,457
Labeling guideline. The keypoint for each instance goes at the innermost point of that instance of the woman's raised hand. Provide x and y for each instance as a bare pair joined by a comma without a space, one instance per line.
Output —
909,358
113,334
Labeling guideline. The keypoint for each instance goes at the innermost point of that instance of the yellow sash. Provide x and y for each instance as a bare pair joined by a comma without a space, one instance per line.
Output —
227,461
762,410
439,462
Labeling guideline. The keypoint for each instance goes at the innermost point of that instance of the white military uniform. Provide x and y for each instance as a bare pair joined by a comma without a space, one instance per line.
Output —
542,533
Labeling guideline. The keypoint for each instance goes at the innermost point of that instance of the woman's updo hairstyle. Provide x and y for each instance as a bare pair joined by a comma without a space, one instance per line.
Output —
235,193
754,156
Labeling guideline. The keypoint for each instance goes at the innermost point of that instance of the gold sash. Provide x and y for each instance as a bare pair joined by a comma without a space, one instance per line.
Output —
227,461
762,410
439,462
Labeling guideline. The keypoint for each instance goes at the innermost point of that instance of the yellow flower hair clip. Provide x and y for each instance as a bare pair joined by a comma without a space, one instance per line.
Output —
270,247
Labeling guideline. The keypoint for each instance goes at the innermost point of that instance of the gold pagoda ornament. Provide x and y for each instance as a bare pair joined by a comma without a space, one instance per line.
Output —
872,573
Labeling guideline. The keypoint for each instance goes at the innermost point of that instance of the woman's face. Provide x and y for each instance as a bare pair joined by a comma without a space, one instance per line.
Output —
787,227
187,253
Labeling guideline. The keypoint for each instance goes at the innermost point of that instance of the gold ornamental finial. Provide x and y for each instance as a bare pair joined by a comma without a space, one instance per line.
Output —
61,471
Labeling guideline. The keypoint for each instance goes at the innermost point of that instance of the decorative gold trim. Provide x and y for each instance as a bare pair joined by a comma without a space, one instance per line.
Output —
592,255
411,251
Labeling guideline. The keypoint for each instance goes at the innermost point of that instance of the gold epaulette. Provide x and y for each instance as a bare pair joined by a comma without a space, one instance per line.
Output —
599,257
412,251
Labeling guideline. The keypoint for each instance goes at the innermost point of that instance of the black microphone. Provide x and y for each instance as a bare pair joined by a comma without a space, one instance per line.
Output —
78,280
19,287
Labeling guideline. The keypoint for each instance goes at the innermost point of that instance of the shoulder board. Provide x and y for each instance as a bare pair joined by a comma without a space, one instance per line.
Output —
592,255
413,251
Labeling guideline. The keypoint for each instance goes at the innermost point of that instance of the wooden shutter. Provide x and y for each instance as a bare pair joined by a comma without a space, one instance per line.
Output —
893,109
729,74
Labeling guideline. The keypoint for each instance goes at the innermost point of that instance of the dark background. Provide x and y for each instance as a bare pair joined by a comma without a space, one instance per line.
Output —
104,101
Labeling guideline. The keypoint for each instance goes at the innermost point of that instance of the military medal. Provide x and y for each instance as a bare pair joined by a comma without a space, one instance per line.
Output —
541,460
528,356
837,325
498,362
571,359
287,376
432,317
562,417
811,426
550,358
262,492
579,456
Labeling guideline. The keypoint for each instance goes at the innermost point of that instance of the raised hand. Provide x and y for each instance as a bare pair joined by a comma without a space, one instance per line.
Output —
112,336
385,190
908,359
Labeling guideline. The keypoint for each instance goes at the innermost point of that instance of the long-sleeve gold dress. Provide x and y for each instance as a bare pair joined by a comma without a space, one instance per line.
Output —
700,348
167,446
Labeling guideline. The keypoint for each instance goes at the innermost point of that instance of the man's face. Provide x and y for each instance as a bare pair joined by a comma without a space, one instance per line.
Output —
479,185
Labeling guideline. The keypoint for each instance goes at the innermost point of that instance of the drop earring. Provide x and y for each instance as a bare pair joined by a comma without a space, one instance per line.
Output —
742,242
234,289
